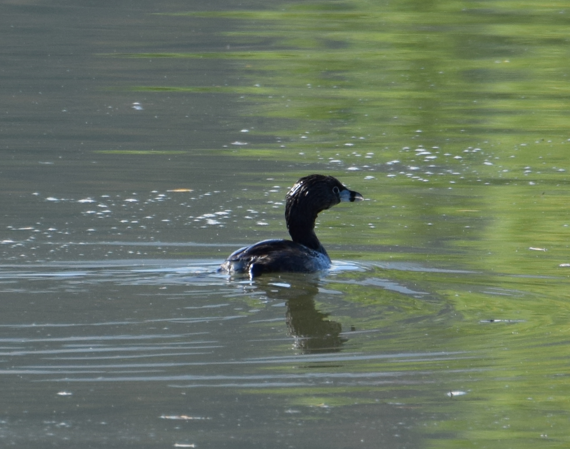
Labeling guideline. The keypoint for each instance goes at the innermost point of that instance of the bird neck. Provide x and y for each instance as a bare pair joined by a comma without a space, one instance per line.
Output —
302,230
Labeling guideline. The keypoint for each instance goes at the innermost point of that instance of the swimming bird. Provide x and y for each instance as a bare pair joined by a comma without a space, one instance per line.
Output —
304,253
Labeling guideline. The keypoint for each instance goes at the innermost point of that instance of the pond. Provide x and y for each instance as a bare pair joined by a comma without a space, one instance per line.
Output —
143,143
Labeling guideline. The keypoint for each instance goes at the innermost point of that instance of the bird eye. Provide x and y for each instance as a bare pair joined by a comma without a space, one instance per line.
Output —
335,190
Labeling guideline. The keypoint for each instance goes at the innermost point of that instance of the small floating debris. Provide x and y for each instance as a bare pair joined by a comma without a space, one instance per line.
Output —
64,393
237,142
452,394
494,320
532,248
184,445
180,190
137,106
564,265
184,417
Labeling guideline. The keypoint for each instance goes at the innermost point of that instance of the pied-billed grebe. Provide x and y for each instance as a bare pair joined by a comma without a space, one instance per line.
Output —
309,196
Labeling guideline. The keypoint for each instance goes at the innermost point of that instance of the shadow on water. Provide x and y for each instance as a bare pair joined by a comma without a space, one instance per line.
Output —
312,330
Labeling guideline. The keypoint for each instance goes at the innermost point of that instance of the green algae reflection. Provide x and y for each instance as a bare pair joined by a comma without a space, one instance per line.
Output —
452,119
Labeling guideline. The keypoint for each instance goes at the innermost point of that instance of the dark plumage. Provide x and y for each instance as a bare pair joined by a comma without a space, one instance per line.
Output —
306,199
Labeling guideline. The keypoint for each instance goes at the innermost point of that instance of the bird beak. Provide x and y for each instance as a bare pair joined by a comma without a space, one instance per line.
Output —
350,196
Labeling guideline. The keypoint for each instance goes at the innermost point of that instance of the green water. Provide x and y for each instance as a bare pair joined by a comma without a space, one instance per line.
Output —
451,118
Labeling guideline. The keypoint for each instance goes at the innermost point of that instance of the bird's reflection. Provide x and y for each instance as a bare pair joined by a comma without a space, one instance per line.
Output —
312,330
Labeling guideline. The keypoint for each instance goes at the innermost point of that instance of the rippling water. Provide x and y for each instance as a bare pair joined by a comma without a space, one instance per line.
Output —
147,351
150,350
143,143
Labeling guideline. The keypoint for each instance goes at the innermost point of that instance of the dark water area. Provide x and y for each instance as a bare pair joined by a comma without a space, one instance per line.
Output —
141,143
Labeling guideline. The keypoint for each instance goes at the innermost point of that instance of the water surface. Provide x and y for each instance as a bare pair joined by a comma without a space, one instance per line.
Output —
141,144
